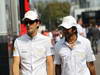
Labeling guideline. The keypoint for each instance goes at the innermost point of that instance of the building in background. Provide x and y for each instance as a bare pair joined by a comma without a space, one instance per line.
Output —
94,3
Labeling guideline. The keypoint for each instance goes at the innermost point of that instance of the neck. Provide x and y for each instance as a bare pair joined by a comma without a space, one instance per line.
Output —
32,35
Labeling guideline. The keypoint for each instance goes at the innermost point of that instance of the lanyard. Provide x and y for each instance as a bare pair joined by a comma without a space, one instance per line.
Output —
68,46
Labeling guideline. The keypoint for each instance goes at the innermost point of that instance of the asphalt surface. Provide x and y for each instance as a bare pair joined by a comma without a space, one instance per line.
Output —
97,62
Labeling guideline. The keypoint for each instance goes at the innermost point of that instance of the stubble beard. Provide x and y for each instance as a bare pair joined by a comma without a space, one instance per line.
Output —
69,36
32,32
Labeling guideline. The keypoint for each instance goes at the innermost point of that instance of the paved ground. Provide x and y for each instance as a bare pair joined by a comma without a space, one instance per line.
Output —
97,64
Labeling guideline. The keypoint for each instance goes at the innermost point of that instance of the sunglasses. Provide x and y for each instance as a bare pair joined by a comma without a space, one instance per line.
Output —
28,22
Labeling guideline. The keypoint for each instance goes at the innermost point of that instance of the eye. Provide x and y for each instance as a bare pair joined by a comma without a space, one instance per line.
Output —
31,22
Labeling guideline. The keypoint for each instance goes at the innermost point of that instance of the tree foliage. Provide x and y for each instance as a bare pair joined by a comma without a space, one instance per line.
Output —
53,12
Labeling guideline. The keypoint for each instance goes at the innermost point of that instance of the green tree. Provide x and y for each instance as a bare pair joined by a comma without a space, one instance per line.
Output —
40,6
53,12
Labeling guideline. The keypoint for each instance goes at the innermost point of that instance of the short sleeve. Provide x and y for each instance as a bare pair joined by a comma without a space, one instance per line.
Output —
89,55
49,48
16,50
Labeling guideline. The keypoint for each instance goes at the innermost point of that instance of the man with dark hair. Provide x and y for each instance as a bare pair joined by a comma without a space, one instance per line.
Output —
33,53
73,53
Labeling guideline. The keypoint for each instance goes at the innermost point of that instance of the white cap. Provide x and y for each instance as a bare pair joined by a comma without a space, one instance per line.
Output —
68,22
32,15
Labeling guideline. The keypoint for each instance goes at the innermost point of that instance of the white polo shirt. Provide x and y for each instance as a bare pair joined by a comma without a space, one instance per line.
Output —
33,53
73,61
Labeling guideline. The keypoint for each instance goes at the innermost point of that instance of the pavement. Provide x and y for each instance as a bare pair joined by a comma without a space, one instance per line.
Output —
97,62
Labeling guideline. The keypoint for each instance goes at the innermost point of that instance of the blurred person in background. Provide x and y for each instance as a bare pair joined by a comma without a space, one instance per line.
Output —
32,52
95,37
56,36
81,30
73,53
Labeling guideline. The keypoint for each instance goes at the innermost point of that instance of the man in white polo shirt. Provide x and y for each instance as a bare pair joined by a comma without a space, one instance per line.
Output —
33,53
73,53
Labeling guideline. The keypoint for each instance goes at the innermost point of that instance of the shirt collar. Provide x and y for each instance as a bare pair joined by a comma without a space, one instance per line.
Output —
33,38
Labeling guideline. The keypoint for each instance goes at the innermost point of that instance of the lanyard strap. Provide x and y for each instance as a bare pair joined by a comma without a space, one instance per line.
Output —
68,46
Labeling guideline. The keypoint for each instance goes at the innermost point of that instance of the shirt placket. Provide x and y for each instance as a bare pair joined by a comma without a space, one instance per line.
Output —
72,63
32,57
